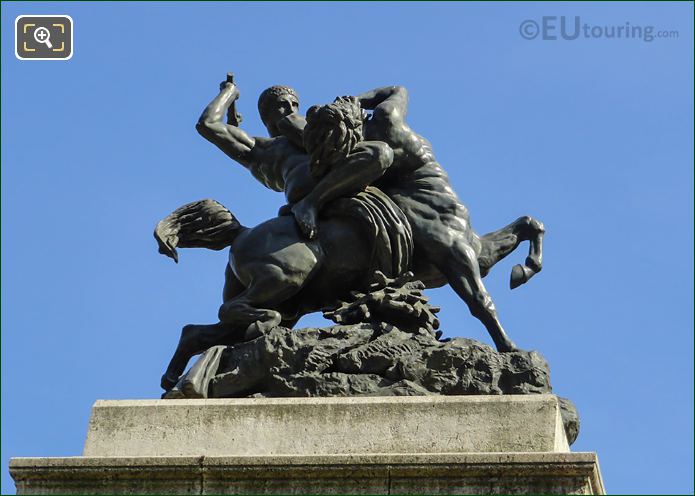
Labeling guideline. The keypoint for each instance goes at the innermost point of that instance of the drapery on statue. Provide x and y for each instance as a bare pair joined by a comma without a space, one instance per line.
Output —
364,194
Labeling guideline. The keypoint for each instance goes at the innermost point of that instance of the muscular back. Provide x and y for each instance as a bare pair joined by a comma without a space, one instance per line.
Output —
415,181
410,150
387,123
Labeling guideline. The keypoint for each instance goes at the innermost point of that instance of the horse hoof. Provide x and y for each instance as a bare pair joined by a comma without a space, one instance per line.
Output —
168,383
285,210
173,394
518,276
509,347
252,332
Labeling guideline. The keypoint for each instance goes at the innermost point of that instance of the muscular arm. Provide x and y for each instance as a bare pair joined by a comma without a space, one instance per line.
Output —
230,139
389,101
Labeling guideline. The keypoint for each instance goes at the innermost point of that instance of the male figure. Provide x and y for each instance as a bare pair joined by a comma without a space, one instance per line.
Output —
445,244
277,162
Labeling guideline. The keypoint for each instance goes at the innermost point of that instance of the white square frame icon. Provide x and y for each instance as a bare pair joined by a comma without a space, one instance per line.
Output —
72,37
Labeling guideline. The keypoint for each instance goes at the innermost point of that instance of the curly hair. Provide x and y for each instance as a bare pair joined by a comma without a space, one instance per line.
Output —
270,95
331,132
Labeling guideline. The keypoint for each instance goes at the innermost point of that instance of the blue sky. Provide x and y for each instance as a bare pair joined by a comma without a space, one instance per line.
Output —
593,136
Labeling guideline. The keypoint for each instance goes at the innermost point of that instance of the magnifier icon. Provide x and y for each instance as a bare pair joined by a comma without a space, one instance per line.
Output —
43,35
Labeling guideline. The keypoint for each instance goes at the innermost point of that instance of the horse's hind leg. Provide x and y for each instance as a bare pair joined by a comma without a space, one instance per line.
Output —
196,339
498,244
254,320
241,318
256,307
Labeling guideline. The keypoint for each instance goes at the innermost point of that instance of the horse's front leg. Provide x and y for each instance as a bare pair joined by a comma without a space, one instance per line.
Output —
534,262
459,265
498,244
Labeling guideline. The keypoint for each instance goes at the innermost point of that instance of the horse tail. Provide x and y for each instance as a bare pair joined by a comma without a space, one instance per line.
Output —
201,224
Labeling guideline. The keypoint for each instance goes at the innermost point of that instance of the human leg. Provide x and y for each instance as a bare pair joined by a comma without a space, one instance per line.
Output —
364,165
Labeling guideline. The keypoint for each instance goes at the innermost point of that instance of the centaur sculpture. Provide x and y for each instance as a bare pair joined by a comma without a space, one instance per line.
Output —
365,196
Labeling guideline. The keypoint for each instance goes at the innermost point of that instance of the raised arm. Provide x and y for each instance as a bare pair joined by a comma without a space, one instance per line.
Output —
230,139
389,101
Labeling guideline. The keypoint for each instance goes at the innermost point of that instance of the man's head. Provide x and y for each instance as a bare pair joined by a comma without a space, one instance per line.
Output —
275,103
331,132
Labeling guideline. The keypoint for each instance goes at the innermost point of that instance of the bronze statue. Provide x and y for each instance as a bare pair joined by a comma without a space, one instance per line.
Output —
367,180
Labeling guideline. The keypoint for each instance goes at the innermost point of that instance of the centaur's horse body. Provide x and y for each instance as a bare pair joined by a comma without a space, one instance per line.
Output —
275,274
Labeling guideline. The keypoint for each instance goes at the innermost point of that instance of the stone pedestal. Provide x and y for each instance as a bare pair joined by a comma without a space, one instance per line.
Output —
359,445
